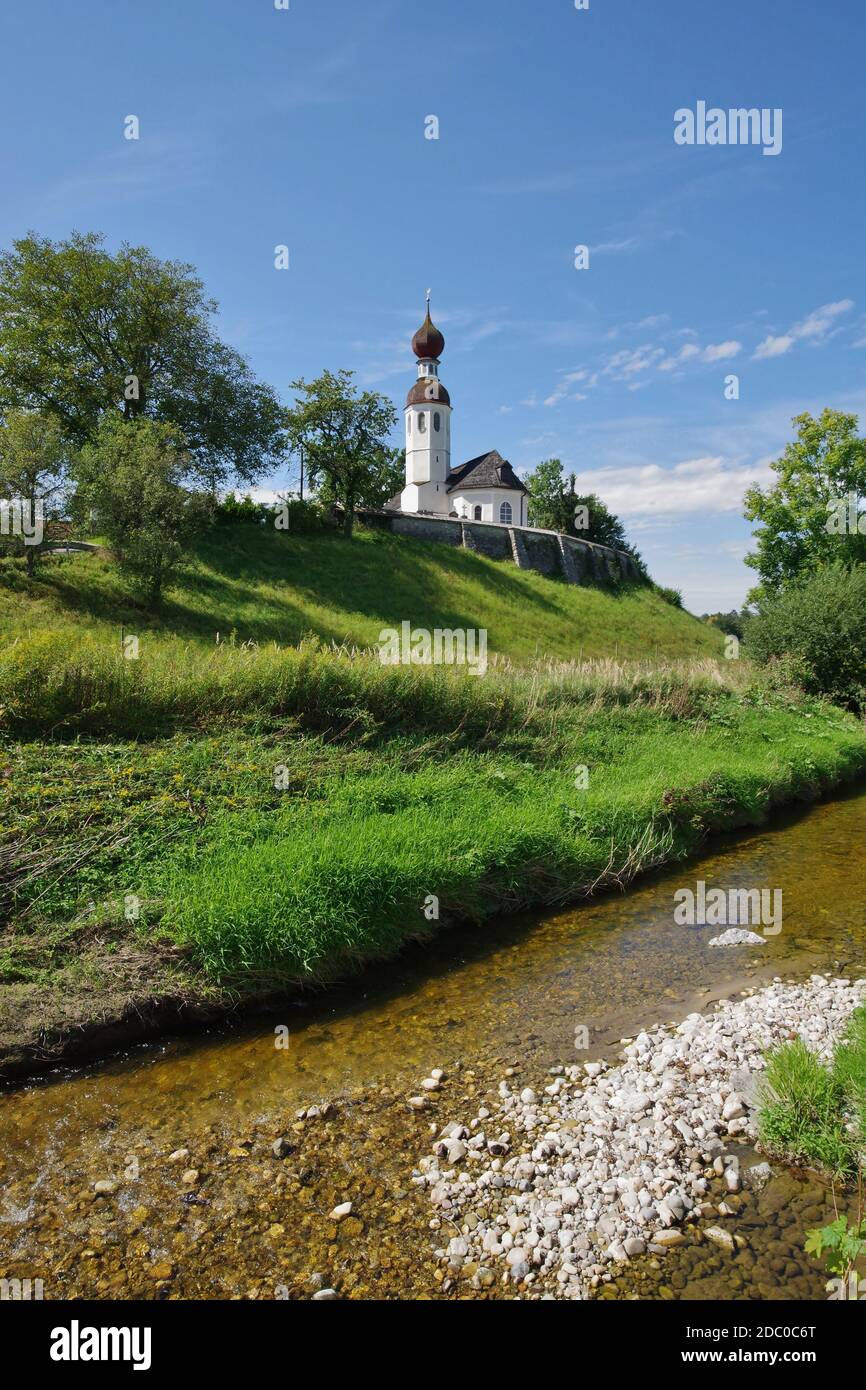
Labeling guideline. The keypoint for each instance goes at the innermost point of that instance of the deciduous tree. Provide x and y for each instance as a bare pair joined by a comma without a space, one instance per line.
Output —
344,438
34,458
804,519
85,332
131,482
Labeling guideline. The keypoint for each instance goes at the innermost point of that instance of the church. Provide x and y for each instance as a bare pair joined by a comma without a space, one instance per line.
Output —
484,489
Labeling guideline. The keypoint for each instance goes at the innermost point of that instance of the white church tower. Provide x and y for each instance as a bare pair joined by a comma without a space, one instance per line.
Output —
428,428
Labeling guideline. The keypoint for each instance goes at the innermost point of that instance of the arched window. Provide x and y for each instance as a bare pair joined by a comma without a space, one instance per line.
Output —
409,423
422,423
476,513
437,420
505,513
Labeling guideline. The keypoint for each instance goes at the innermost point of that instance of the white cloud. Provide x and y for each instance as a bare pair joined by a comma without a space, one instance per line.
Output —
720,352
630,243
687,351
563,388
699,485
813,328
820,321
626,363
774,347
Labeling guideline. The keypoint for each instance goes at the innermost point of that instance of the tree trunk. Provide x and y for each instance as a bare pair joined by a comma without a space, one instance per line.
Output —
155,592
348,520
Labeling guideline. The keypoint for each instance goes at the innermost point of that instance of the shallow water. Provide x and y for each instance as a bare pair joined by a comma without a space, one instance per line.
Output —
472,1002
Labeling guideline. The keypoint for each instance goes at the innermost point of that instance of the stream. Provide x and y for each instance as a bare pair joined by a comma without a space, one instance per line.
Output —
195,1204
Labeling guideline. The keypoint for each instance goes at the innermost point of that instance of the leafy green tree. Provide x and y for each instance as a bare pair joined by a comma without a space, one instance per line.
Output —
554,504
85,333
387,477
34,458
548,499
131,483
803,519
814,630
344,438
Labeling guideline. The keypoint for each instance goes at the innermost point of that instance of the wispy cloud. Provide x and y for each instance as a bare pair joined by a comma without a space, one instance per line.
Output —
322,83
529,184
151,167
564,388
713,352
814,328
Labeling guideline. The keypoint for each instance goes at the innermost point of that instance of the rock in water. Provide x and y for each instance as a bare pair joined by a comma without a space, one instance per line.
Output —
738,936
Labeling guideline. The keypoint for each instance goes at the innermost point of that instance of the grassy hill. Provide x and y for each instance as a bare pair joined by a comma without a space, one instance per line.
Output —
215,822
268,587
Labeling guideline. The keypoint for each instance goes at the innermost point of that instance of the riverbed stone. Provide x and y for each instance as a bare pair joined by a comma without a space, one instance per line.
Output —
618,1157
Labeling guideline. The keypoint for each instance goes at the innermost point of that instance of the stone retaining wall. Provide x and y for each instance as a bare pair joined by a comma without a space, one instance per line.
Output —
547,552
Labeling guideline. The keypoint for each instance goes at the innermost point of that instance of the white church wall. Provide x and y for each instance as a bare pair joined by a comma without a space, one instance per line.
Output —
490,501
428,449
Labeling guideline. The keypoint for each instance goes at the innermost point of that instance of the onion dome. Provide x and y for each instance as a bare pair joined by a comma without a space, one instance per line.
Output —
428,341
428,390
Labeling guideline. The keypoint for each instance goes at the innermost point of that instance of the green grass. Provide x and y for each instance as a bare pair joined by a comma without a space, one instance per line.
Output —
156,781
389,804
265,586
813,1113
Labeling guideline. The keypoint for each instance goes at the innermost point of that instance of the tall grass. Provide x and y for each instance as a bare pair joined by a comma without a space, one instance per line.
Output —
378,861
811,1112
48,685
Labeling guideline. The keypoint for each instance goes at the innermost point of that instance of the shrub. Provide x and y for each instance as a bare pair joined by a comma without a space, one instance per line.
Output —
234,510
671,596
818,628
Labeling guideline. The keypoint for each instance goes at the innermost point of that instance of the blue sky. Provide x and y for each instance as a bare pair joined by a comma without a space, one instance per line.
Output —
306,127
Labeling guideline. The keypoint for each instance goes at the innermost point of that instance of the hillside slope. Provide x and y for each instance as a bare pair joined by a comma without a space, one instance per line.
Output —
254,584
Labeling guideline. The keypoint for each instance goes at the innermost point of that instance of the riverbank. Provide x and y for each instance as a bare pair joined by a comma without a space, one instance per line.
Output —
162,1199
547,1192
344,810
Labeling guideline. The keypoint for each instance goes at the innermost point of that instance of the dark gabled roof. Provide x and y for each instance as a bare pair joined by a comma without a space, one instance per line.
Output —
395,503
487,470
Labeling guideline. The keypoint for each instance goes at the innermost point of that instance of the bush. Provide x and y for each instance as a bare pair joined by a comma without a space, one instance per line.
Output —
817,629
671,596
234,510
729,623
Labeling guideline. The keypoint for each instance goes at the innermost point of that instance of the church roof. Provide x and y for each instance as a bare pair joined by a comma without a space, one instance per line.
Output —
428,390
428,341
487,470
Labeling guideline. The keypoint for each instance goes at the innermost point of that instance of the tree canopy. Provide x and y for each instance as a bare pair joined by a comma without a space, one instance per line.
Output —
34,459
554,504
131,484
344,438
85,332
805,517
